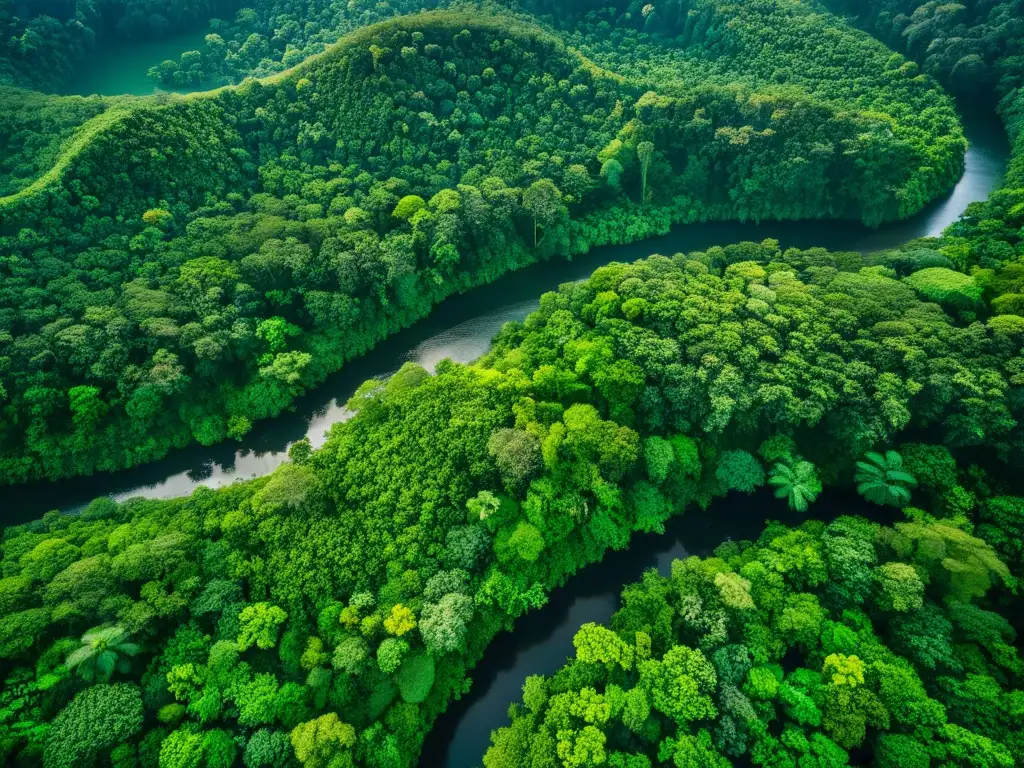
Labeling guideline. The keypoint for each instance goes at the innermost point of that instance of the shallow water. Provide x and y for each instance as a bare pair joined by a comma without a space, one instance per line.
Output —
117,68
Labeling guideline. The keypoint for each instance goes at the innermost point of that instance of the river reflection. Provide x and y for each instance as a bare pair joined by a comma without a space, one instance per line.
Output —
542,639
461,328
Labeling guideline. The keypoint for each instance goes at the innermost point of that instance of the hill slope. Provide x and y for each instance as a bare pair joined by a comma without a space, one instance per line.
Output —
192,264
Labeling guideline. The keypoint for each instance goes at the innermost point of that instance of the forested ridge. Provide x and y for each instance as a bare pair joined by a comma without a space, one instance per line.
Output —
972,47
269,232
778,47
37,132
326,614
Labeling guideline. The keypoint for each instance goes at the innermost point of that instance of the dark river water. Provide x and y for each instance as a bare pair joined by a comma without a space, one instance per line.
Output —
542,639
461,328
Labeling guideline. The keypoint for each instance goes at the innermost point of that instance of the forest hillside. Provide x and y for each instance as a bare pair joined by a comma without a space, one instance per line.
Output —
173,269
268,232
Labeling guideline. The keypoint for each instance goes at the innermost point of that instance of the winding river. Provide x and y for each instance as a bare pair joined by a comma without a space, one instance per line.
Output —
461,328
542,639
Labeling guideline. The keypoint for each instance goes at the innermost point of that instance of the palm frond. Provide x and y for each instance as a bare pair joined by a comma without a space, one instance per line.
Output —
903,477
92,635
77,656
893,460
105,663
869,469
129,649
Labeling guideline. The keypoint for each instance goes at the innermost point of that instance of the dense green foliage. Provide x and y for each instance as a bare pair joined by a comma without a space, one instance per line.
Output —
773,48
266,37
970,46
810,643
974,48
268,233
333,608
770,47
791,651
326,614
786,47
35,130
44,41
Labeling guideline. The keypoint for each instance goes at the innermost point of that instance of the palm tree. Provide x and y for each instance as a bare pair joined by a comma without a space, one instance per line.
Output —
798,484
882,479
103,650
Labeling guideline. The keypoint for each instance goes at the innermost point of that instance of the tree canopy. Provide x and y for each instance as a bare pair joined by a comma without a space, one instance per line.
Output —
268,233
173,269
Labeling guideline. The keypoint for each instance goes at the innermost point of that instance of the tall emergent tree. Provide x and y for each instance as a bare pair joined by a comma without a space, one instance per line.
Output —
544,203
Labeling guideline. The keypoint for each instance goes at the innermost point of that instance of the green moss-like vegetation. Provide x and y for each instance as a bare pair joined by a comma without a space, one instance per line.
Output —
946,286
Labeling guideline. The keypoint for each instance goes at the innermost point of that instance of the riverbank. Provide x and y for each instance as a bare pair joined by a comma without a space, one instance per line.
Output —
542,639
461,328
